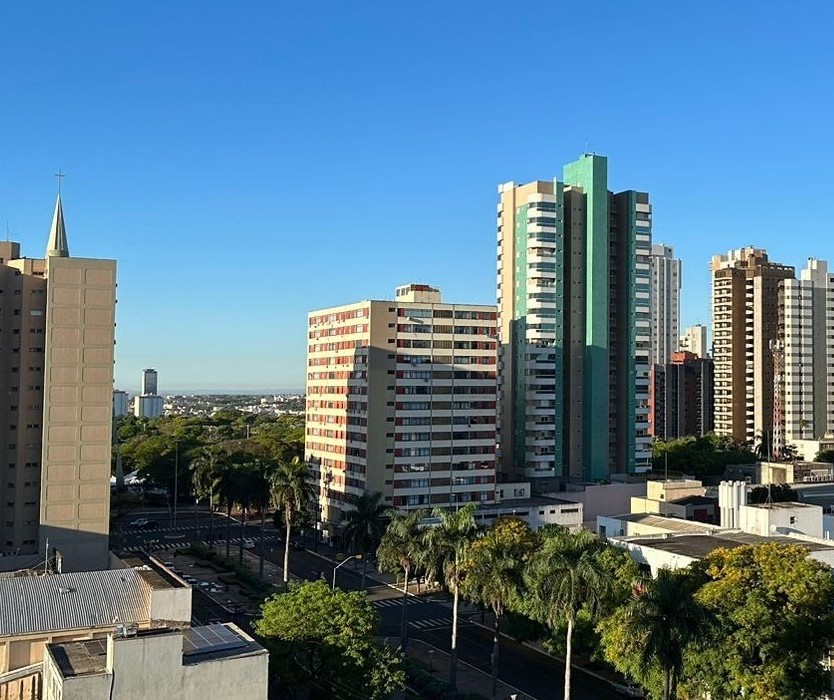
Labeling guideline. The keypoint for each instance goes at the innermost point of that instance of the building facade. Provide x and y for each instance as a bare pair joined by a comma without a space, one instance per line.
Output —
401,399
681,397
149,404
806,312
694,340
666,303
574,297
57,370
150,382
745,321
121,403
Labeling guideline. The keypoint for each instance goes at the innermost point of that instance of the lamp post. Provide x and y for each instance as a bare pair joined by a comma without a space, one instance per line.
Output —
176,480
341,563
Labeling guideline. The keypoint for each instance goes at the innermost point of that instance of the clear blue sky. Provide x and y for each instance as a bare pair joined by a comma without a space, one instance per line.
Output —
248,162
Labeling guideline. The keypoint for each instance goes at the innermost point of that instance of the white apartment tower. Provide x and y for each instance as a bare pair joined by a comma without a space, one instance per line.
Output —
401,399
666,303
807,326
694,340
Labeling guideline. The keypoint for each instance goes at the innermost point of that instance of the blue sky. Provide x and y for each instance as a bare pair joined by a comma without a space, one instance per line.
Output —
248,162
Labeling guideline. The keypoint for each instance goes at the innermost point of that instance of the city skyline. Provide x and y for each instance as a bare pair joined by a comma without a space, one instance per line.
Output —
338,142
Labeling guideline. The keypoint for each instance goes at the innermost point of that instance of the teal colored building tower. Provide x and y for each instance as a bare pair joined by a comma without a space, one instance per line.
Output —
575,327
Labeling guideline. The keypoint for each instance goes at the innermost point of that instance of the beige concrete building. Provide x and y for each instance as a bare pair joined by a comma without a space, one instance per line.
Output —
36,610
401,399
214,661
745,318
57,369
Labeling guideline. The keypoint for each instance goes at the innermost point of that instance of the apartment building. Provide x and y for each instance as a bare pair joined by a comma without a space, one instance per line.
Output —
745,321
666,303
806,324
401,399
694,340
681,397
574,291
56,368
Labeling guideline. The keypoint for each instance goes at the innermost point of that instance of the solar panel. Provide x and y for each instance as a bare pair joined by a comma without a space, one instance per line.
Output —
202,640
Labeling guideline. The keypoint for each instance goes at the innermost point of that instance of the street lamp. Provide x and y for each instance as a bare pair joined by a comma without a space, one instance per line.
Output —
341,563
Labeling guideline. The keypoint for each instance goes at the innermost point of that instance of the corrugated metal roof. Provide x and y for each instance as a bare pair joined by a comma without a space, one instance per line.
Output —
72,601
671,524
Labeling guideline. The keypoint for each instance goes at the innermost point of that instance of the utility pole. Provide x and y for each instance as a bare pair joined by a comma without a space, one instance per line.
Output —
176,480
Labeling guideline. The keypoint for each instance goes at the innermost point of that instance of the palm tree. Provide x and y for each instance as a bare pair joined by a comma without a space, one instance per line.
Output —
494,573
206,471
364,524
226,486
401,550
262,496
447,546
565,576
292,491
663,618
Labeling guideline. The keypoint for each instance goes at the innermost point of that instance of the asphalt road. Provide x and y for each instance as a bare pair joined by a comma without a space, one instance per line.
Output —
530,671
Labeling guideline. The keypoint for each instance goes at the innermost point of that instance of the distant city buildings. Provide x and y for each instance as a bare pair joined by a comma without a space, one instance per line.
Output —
121,403
745,322
574,296
681,397
401,399
56,370
149,404
694,340
666,303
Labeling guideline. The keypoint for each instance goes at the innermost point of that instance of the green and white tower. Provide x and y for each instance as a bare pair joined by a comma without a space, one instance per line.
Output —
574,303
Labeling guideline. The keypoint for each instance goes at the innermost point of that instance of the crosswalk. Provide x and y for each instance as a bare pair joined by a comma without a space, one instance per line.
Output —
432,623
178,544
391,602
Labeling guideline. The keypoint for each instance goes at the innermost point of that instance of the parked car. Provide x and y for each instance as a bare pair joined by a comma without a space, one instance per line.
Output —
139,522
629,690
248,544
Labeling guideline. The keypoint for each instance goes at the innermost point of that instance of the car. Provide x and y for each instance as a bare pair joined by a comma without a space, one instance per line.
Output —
297,545
139,522
629,690
150,525
168,564
204,584
248,544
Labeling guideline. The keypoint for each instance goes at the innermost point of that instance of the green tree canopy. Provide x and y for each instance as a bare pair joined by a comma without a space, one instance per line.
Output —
323,641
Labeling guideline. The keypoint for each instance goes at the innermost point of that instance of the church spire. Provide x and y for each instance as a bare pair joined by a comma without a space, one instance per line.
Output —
57,246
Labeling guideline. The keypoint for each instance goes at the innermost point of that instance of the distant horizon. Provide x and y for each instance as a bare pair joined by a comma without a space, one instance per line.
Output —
218,391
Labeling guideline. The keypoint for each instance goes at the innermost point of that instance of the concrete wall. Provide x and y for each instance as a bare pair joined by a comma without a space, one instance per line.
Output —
171,604
603,499
779,519
655,559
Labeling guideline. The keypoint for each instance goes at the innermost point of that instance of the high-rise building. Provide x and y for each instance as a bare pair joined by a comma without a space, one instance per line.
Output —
681,397
121,403
694,340
666,303
56,368
150,381
574,295
806,324
149,404
745,319
401,399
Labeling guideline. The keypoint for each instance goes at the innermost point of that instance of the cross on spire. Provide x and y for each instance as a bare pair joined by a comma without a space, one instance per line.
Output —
59,176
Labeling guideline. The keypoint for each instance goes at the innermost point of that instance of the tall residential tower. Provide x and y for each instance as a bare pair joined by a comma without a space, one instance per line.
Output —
745,320
574,296
401,400
666,303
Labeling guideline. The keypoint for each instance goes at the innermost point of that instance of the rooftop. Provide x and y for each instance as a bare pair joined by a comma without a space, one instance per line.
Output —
695,501
673,524
199,644
79,600
783,505
699,546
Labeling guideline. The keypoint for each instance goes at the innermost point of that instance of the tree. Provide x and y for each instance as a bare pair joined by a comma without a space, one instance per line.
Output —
292,491
206,474
565,576
323,641
447,546
647,638
825,456
364,524
773,606
401,551
493,573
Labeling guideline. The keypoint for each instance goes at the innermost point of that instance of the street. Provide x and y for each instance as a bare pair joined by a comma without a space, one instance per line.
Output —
529,670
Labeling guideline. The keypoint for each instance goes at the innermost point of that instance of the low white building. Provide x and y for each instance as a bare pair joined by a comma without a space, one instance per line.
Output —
214,661
536,511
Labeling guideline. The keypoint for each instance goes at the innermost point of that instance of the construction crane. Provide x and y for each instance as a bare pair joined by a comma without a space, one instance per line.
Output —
777,350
